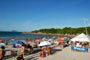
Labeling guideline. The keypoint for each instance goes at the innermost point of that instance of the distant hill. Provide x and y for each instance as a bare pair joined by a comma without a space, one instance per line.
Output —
66,30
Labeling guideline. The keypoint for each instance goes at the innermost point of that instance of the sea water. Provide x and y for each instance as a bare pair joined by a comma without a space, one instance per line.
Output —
20,36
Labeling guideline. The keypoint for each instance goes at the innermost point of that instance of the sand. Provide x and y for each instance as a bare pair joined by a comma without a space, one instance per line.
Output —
68,54
65,54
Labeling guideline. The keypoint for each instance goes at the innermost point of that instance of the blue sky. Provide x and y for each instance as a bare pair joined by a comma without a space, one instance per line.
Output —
28,15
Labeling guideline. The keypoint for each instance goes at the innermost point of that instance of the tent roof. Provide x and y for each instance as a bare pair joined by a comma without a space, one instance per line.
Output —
44,43
82,38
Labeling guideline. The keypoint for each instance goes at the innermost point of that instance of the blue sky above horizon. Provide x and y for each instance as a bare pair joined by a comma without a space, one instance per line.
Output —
28,15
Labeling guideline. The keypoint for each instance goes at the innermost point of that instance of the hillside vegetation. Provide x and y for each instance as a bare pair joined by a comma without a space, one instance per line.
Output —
66,30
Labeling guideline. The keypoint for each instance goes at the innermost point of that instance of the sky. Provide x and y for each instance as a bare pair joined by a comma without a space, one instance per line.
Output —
29,15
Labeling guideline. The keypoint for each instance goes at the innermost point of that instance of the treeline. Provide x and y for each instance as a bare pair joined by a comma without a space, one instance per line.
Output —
66,30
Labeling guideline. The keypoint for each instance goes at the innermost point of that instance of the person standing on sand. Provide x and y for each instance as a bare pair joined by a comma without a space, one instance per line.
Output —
28,46
21,53
49,50
27,42
61,41
43,52
2,53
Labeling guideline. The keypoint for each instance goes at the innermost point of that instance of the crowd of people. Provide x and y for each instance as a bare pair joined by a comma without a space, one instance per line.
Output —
45,51
23,50
27,48
81,44
63,41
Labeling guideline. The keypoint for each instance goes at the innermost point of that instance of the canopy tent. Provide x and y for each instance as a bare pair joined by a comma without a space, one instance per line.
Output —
44,43
81,38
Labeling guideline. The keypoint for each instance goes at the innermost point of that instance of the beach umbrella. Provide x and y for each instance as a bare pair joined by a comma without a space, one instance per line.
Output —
36,41
44,43
2,44
18,42
1,40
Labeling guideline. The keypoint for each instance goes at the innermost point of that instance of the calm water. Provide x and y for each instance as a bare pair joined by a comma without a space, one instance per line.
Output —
8,35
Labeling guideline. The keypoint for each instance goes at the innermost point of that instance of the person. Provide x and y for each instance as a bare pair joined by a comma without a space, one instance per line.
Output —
61,41
27,42
36,42
28,46
2,53
21,53
42,52
35,45
49,50
78,45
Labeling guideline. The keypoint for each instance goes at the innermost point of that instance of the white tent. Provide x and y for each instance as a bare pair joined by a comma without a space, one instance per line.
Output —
82,38
44,43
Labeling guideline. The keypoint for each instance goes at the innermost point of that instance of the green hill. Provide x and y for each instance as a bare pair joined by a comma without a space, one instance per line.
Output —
66,30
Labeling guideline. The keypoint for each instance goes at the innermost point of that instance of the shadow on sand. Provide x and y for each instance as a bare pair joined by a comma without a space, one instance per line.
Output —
55,50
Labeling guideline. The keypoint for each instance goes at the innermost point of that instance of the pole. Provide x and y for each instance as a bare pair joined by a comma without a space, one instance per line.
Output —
86,30
86,26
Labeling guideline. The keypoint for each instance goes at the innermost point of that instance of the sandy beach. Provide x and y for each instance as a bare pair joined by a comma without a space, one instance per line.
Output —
68,54
65,54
